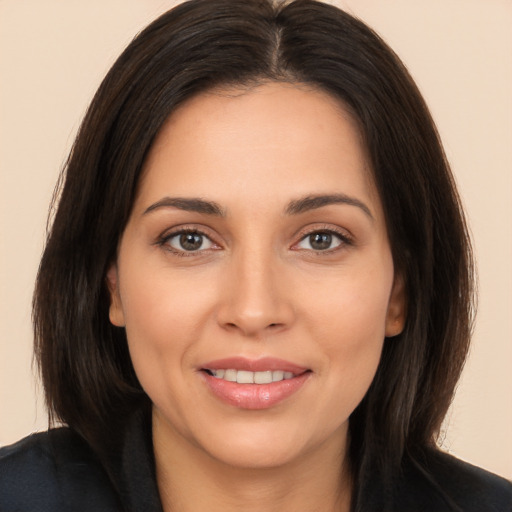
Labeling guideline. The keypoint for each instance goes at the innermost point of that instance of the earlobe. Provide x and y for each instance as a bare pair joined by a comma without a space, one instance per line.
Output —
396,314
115,312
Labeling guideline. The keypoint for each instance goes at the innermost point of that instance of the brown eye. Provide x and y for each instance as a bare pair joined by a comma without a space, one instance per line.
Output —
189,241
320,241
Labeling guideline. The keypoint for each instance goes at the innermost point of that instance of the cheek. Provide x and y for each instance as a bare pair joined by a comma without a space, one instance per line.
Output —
349,327
353,310
163,318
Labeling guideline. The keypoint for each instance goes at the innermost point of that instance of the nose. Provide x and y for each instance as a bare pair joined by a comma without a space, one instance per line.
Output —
257,296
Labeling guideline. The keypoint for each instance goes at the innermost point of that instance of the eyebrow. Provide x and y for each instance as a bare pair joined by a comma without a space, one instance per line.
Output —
296,207
192,204
312,202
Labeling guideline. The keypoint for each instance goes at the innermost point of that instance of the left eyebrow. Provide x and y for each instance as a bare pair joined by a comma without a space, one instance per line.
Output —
192,204
312,202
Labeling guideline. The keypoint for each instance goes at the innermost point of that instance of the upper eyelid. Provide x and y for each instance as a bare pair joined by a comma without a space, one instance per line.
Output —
299,235
341,232
163,241
177,230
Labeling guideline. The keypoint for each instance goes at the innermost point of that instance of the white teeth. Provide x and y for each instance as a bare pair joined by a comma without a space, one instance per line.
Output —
230,375
246,377
277,375
263,377
243,377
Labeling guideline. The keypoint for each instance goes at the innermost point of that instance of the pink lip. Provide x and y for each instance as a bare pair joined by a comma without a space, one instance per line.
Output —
254,396
254,365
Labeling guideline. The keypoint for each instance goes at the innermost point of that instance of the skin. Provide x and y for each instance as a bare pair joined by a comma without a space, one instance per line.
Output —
257,287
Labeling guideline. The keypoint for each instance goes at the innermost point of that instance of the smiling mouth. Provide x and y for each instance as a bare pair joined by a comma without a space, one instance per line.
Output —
248,377
254,384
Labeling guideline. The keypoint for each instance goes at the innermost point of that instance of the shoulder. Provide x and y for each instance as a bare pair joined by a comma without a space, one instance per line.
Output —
438,481
54,470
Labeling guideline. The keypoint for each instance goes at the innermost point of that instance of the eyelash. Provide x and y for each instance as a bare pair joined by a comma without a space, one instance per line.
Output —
345,239
163,241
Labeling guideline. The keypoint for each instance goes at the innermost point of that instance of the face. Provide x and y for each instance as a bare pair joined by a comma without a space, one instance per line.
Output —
254,277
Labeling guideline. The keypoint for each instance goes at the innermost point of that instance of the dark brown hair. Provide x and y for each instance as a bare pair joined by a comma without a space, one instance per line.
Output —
84,362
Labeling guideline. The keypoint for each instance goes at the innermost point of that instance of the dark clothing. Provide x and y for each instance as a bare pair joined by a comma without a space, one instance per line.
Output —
57,471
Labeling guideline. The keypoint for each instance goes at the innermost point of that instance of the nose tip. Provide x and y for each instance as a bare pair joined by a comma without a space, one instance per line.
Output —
253,324
255,303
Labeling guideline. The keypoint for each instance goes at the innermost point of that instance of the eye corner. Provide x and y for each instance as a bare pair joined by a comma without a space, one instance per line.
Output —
328,240
187,241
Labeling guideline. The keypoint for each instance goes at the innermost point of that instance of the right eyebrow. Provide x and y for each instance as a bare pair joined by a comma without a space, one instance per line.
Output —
313,202
192,204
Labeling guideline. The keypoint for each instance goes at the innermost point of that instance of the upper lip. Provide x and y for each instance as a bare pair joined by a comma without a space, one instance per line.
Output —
254,365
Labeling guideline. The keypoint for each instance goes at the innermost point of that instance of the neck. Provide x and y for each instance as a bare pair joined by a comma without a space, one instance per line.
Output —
190,480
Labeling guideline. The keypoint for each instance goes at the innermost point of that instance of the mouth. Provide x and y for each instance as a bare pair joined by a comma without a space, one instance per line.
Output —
254,384
248,377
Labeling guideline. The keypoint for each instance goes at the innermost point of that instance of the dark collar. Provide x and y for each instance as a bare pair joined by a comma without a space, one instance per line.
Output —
429,481
134,473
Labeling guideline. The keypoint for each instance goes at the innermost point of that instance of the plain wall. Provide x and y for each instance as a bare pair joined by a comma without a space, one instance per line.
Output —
54,54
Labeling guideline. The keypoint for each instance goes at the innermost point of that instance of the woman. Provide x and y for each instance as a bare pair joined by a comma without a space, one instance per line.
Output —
257,289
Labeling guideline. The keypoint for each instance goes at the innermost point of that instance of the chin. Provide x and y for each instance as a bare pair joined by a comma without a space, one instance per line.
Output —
248,454
265,444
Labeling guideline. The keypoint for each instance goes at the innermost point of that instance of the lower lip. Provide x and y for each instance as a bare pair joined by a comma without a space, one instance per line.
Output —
255,396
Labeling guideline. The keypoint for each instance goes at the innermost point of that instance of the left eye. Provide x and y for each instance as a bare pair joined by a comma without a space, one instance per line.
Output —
189,241
320,241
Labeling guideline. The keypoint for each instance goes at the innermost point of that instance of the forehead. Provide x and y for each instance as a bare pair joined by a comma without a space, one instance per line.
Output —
264,142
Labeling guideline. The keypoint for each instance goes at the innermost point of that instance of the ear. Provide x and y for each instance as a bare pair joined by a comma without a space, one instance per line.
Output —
396,314
115,312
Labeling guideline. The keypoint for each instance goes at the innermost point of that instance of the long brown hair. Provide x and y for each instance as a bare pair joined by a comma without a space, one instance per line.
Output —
88,377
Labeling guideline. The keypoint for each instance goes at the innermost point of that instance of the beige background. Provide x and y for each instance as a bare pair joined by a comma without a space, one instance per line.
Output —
53,56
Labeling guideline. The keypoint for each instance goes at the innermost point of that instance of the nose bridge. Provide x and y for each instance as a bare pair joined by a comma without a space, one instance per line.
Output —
255,300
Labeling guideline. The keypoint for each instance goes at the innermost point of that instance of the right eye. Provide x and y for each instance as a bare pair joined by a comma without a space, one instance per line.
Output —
188,241
320,241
